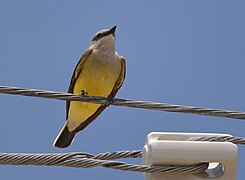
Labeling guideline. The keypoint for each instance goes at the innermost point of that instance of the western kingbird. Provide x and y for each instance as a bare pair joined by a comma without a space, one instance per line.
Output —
99,72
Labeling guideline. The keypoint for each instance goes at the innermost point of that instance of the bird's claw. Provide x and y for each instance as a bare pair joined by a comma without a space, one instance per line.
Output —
110,100
84,93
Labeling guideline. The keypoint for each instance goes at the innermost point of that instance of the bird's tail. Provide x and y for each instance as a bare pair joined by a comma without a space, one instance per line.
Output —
64,138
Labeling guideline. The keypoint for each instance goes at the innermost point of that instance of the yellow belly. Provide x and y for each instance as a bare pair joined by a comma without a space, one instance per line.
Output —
98,79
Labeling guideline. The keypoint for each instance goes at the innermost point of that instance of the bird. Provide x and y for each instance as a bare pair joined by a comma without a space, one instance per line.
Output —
99,72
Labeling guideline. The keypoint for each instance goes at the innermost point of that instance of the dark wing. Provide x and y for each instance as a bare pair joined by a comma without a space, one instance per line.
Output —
113,93
75,74
121,77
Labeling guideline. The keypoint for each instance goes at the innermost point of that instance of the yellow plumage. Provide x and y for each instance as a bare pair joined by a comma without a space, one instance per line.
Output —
98,78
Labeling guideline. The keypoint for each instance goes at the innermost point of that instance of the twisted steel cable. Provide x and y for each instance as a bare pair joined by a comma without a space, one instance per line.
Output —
86,160
123,102
235,140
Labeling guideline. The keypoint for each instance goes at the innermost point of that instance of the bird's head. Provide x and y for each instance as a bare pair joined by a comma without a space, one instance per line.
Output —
104,38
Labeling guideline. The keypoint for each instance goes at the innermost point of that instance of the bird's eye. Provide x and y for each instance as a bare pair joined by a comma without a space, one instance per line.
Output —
98,35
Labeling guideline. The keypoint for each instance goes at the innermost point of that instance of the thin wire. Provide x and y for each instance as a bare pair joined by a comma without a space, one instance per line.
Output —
123,102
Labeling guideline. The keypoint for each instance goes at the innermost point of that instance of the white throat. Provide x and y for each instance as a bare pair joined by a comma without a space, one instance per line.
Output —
106,45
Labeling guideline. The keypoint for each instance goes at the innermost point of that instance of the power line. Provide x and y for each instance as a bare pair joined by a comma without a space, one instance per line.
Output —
123,102
85,160
232,139
107,160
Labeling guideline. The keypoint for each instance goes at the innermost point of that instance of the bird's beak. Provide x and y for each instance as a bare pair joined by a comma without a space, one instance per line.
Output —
112,30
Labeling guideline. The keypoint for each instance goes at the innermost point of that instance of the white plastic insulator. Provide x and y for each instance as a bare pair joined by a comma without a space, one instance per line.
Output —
174,149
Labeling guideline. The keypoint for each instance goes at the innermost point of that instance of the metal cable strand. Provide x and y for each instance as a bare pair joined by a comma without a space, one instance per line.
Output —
123,102
85,160
119,155
235,140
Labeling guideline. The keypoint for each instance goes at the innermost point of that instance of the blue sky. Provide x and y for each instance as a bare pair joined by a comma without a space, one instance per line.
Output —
180,52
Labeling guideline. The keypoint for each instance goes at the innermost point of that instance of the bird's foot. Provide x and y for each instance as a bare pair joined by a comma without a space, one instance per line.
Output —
84,93
110,100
